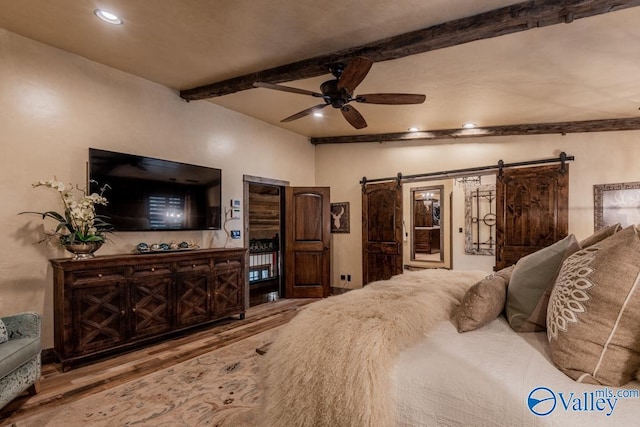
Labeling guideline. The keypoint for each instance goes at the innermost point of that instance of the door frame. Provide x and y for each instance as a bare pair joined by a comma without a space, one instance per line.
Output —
251,179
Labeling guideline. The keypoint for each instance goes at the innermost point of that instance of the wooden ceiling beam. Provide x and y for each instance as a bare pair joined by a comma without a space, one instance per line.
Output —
563,128
507,20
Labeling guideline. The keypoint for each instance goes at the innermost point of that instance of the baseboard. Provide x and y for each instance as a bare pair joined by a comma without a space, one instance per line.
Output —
339,291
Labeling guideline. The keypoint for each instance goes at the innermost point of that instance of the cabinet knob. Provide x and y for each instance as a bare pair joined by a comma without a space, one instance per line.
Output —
99,275
193,265
153,269
122,312
134,309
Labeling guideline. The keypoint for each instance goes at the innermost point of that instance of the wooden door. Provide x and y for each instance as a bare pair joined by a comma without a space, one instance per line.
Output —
307,239
532,211
381,231
192,293
99,320
227,287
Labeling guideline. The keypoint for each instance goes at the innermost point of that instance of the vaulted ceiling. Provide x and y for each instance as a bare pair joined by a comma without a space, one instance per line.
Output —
582,70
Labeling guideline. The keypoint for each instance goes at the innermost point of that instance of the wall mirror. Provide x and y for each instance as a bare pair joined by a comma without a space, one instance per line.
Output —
427,224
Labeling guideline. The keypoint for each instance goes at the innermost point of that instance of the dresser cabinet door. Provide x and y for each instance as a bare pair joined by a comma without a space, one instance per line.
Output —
193,292
151,300
99,316
228,285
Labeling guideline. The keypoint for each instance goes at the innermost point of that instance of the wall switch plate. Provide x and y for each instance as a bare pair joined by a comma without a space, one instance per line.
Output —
235,234
235,213
235,203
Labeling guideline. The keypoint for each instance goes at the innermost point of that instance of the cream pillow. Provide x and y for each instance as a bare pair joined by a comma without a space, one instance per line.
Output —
600,235
593,315
484,301
531,283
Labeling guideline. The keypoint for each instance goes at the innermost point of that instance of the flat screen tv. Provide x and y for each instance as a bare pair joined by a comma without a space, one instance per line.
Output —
153,194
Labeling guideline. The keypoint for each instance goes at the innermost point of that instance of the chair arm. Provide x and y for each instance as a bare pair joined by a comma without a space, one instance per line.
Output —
23,325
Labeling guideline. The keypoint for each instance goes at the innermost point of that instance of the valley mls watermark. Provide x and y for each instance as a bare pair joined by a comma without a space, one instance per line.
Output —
543,401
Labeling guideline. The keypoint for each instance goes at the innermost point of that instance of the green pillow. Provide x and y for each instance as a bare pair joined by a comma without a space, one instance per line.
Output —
531,282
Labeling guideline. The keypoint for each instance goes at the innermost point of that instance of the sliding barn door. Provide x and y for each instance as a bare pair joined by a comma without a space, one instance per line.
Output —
532,211
381,231
307,238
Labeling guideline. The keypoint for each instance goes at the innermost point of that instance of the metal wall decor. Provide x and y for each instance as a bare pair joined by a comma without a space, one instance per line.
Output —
480,220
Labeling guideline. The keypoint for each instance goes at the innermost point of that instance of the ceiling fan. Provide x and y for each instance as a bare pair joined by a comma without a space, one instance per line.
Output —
339,92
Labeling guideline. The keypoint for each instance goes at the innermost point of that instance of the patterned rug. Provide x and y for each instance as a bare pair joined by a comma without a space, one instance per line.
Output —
219,388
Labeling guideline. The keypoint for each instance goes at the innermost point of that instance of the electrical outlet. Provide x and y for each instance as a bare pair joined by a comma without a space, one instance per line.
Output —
343,277
348,277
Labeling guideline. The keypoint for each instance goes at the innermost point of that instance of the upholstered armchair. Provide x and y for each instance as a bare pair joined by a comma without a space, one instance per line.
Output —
19,355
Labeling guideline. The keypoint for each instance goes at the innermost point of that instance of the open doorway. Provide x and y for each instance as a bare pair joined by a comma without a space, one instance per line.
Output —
427,218
263,237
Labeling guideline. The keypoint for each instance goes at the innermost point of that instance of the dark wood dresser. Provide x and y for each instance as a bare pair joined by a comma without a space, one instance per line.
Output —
110,304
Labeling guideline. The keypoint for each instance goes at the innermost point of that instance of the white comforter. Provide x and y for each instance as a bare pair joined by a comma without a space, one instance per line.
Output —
484,378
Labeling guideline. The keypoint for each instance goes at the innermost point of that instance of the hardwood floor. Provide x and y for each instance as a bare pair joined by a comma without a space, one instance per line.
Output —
61,387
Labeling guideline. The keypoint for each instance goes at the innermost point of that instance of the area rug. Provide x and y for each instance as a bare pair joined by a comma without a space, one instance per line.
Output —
220,388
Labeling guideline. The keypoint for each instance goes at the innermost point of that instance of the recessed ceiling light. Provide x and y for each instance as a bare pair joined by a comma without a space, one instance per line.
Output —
108,17
318,114
469,125
413,129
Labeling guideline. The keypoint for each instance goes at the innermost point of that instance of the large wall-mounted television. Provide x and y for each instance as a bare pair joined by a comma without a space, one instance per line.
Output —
153,194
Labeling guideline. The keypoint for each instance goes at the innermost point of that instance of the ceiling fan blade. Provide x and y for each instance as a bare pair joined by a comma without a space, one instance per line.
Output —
354,73
304,113
353,116
391,98
287,89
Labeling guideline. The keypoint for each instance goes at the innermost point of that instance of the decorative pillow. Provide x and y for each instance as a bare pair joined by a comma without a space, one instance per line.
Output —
594,312
531,283
4,335
484,301
600,235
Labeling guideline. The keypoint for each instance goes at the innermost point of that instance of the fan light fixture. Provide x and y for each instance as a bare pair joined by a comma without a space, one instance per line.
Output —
338,93
108,17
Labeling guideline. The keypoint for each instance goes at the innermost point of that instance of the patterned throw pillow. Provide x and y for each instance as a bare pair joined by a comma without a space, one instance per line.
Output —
531,283
484,301
594,312
4,334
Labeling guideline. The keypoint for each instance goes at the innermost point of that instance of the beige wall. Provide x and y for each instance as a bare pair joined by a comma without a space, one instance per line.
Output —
54,106
609,157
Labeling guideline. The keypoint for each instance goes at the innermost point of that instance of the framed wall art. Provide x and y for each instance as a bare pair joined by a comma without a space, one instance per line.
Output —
340,217
616,203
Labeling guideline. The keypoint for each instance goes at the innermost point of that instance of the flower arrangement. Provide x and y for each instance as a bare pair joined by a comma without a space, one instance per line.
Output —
79,224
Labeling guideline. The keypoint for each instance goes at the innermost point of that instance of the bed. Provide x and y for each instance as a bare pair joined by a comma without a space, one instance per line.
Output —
392,354
484,377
